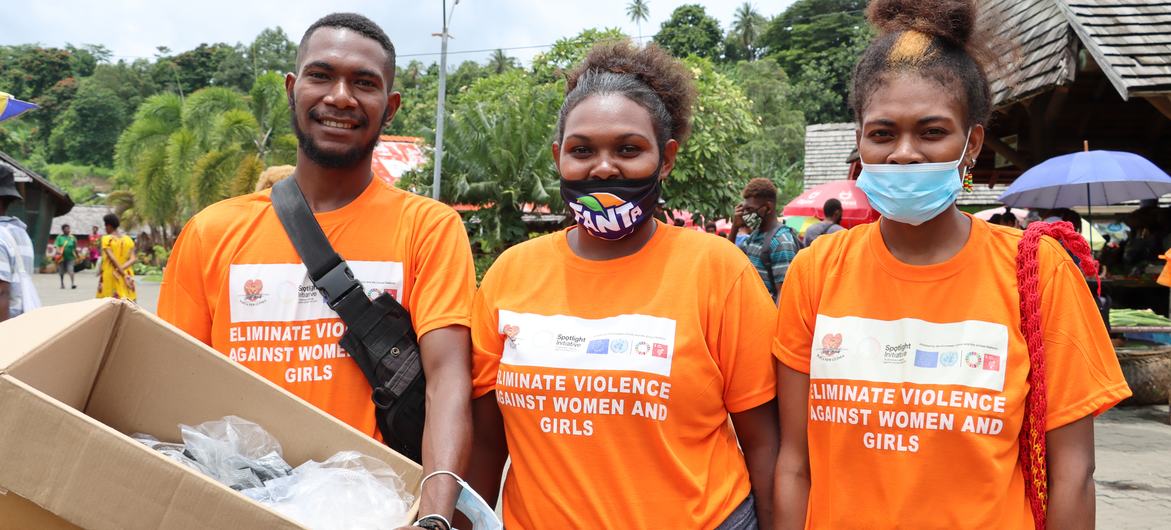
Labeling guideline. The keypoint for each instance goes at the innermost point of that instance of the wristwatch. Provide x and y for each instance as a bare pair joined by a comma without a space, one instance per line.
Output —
433,522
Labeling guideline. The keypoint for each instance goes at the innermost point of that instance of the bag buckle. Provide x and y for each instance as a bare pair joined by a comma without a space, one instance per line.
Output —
336,283
383,398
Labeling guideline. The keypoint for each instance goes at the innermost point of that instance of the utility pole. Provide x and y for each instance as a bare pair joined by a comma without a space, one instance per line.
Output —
439,111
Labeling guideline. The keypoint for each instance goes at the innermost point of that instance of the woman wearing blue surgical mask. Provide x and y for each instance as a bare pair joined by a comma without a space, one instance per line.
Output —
609,356
905,388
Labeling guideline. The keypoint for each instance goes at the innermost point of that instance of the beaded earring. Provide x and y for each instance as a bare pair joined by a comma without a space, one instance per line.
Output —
968,178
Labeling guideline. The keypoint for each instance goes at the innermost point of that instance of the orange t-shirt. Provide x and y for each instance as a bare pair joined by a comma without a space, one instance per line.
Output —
917,376
615,379
235,282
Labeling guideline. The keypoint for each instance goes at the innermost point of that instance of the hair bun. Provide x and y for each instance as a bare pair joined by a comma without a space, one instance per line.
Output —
953,21
669,79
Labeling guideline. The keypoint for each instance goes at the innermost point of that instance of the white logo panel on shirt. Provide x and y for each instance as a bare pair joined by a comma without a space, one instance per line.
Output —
971,353
638,343
282,292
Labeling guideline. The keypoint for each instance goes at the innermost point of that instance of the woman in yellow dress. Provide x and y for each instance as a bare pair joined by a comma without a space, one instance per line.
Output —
117,277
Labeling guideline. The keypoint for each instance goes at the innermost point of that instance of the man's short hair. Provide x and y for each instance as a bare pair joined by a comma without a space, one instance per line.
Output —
832,207
111,220
357,23
761,188
64,226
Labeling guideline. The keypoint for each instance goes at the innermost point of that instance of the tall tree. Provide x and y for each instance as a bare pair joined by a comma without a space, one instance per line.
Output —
130,82
499,156
87,57
566,53
272,51
638,12
194,152
709,174
141,162
690,31
817,42
87,131
777,152
747,25
499,62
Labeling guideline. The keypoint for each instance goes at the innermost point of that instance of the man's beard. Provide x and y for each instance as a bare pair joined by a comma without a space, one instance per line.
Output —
346,159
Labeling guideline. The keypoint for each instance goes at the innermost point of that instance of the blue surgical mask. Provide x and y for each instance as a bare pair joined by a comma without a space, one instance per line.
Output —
472,505
912,193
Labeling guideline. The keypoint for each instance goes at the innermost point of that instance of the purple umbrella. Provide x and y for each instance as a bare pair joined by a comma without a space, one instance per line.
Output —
1087,179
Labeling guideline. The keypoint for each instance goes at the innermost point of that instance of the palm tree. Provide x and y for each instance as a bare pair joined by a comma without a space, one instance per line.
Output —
638,11
182,155
747,26
499,62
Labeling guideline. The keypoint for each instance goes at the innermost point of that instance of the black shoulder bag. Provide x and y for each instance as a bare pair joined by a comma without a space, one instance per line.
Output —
378,336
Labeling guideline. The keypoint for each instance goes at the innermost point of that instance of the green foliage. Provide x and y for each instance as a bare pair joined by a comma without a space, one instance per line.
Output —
85,59
566,53
272,51
741,43
497,155
53,102
777,152
194,69
233,70
709,173
81,182
212,174
16,138
690,31
204,107
499,62
88,130
182,155
818,42
28,71
131,83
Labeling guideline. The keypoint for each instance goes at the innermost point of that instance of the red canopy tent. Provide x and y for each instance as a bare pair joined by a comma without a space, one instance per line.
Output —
856,209
395,155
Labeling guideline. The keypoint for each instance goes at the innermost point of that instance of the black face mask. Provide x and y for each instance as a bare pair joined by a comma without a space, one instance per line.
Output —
612,209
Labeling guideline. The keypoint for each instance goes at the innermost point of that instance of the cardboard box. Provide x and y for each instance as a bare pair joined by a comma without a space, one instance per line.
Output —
76,379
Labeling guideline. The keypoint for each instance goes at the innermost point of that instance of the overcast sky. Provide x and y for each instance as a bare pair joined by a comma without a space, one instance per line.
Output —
134,28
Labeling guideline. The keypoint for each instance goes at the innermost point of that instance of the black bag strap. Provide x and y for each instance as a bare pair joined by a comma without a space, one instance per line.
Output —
330,273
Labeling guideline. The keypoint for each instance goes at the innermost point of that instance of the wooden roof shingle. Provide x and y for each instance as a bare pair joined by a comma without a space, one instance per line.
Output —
1130,40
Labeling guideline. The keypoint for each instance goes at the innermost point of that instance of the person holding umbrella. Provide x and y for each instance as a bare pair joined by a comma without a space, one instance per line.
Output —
905,374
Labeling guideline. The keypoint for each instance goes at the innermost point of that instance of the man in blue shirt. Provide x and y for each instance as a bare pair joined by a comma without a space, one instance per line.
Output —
829,225
770,246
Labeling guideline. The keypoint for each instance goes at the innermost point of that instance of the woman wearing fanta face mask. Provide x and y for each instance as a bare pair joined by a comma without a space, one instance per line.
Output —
609,356
904,375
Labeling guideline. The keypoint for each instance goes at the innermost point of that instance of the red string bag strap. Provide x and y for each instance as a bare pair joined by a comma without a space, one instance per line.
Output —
1032,437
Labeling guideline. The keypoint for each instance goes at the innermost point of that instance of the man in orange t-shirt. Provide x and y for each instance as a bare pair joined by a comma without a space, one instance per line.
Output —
917,377
235,281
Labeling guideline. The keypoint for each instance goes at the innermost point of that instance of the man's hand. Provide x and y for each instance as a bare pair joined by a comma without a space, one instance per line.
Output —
738,216
737,221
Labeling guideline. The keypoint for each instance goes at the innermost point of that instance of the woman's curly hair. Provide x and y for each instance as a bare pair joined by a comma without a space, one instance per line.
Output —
648,76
